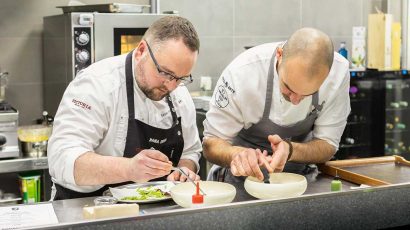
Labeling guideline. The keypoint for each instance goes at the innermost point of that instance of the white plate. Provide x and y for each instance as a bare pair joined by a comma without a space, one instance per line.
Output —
130,190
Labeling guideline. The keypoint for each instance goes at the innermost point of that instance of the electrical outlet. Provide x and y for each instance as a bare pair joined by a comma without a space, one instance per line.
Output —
205,83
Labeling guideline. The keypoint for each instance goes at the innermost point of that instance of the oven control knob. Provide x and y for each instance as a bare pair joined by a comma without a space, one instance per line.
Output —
3,140
82,56
83,39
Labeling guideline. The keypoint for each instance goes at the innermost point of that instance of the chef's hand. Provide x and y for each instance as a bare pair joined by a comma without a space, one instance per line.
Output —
280,151
178,176
248,163
147,165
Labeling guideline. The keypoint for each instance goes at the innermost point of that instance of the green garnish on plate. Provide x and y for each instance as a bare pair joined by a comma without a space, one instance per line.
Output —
146,193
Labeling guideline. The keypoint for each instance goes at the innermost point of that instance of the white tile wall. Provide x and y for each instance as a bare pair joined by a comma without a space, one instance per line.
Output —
224,26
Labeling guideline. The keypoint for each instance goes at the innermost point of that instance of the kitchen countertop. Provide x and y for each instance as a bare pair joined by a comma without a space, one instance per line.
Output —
366,208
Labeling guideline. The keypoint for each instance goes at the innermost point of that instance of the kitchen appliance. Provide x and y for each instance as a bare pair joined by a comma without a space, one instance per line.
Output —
106,8
8,131
379,121
73,41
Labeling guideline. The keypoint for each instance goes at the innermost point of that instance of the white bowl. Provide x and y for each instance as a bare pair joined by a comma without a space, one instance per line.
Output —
216,193
282,185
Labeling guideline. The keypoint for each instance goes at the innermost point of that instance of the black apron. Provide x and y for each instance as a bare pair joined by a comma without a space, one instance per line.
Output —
139,136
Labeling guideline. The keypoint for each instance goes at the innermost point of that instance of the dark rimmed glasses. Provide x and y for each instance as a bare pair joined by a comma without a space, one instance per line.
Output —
169,76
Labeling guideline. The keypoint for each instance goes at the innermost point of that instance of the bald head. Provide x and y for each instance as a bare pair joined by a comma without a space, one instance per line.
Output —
311,45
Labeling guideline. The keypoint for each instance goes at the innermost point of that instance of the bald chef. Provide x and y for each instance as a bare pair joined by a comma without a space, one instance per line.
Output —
289,99
129,117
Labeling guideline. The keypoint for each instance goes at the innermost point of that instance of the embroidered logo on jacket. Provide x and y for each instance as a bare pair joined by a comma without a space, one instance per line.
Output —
81,104
221,97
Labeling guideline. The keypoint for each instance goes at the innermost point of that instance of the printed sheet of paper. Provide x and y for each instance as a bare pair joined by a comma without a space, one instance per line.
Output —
22,216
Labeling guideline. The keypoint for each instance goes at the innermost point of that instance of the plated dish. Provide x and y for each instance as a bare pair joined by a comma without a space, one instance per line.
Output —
147,192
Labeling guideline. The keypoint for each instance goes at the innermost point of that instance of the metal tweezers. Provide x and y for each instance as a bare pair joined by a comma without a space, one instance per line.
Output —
190,180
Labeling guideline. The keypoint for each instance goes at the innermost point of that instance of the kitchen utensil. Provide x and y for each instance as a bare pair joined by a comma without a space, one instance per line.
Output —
34,133
197,198
105,200
265,176
216,193
282,185
34,139
190,180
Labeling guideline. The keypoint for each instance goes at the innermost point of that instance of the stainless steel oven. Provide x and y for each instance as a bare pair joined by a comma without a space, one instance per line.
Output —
72,41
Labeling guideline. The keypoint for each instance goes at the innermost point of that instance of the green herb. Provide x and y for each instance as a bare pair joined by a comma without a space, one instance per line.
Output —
146,194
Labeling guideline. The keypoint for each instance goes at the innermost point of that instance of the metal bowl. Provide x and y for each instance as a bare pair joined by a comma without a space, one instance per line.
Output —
34,149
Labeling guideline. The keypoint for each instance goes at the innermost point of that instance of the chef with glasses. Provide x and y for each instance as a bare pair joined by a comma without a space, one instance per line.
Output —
129,118
278,106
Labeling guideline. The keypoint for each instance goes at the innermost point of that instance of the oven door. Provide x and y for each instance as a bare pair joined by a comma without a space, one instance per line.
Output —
116,34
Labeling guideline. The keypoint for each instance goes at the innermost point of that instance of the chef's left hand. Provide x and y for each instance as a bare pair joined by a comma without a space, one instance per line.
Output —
177,176
280,151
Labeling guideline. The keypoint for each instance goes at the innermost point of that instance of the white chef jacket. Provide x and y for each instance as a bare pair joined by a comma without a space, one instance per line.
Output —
244,81
93,116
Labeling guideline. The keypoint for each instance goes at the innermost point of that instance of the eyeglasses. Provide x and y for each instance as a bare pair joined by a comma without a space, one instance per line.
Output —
169,76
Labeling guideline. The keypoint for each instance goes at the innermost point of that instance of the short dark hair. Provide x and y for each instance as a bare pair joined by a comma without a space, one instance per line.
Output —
173,27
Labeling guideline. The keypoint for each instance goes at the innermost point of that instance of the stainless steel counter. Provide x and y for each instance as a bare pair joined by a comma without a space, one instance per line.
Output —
318,208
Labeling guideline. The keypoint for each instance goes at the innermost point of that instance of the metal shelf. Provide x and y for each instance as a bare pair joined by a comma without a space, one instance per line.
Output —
354,145
359,100
396,109
396,130
23,164
358,122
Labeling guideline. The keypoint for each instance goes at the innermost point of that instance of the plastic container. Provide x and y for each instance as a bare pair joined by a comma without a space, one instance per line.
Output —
105,200
30,188
34,133
197,198
343,51
336,185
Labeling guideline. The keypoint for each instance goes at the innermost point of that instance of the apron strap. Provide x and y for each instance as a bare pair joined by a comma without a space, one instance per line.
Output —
130,85
269,87
173,112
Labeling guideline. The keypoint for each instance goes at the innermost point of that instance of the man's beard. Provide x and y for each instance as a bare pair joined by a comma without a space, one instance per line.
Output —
155,94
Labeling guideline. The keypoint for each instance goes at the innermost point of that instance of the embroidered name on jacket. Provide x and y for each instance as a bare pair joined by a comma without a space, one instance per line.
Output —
156,141
81,104
226,84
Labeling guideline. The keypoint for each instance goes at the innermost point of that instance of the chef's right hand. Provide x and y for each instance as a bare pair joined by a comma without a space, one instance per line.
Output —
147,165
248,163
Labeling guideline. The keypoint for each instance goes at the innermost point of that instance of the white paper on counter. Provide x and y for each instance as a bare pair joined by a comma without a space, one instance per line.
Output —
22,216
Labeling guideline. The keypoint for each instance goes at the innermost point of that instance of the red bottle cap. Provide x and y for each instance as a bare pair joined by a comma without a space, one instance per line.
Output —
197,198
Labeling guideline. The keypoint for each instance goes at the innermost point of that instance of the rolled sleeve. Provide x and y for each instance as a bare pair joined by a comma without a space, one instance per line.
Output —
332,120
